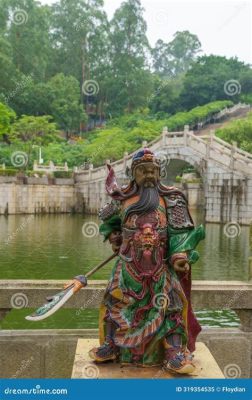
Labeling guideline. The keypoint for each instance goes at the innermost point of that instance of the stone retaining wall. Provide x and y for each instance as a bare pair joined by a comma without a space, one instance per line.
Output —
37,198
50,353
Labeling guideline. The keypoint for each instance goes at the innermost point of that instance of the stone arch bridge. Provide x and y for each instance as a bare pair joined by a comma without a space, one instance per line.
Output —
226,173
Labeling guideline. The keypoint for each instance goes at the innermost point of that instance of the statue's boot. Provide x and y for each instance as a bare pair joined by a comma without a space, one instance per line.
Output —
108,351
177,358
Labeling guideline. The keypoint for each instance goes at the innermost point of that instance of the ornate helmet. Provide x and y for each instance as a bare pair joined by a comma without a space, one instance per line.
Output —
144,156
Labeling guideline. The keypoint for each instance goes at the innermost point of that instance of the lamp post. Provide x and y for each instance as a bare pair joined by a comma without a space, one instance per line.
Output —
40,161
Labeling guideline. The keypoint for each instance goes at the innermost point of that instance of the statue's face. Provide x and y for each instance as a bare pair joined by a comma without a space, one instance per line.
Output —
146,174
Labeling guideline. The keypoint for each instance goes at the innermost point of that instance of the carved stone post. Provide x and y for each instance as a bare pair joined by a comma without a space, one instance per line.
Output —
245,317
232,156
164,135
186,136
90,172
210,143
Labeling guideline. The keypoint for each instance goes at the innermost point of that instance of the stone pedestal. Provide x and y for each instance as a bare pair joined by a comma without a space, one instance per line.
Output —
84,367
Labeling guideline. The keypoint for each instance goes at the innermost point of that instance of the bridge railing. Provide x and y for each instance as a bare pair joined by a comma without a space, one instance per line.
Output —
212,295
210,147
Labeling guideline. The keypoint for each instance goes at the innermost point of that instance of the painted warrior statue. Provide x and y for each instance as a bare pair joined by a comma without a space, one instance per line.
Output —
146,316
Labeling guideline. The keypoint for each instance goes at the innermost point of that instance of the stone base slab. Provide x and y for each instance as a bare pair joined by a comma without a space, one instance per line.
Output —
85,368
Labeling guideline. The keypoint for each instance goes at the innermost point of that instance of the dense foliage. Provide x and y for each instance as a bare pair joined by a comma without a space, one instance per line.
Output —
124,134
85,88
239,131
69,61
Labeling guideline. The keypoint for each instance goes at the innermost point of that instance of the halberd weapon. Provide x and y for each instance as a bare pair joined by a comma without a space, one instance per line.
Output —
56,301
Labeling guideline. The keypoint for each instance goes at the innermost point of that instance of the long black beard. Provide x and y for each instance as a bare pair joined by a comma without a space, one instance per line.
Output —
148,202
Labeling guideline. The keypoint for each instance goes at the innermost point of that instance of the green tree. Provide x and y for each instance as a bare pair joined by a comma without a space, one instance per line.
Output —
239,131
30,131
166,96
59,97
80,45
27,31
129,82
35,130
9,74
33,99
175,58
7,117
65,106
210,79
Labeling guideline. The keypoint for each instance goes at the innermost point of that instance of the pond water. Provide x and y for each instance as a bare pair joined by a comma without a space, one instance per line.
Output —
62,246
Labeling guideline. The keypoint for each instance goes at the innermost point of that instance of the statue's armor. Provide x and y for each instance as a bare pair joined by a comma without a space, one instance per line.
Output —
109,210
144,240
177,211
146,316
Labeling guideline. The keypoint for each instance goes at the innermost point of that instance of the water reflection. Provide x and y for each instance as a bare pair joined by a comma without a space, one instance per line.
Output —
54,247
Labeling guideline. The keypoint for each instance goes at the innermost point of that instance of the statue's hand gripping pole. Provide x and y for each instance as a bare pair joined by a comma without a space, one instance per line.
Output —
56,301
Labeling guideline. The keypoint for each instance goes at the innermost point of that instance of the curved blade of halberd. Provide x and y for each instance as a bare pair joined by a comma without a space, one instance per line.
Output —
51,307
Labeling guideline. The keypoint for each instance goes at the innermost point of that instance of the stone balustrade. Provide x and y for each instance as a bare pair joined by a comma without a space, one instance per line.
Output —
49,168
224,295
225,169
50,352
